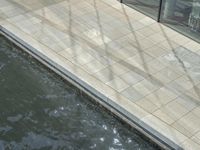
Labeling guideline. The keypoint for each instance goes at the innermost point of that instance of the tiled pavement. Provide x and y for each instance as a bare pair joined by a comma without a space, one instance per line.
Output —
142,66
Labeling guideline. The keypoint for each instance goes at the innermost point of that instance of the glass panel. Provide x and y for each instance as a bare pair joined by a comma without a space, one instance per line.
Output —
149,7
182,15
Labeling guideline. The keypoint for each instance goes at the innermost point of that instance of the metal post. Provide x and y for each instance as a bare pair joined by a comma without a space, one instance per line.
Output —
159,11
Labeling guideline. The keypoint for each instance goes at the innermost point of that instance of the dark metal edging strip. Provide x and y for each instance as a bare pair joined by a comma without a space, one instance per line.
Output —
160,10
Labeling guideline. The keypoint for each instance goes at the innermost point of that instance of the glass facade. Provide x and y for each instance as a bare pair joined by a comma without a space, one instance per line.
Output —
182,15
149,7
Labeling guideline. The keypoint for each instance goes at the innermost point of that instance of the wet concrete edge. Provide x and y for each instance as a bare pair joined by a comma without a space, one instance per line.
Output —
130,119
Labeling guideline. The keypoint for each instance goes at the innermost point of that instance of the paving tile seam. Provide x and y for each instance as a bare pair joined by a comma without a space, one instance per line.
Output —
186,115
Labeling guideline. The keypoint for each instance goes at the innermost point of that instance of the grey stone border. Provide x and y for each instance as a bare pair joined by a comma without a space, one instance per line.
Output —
120,112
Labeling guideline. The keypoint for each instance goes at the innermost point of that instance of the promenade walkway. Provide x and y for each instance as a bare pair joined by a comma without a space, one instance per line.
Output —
142,68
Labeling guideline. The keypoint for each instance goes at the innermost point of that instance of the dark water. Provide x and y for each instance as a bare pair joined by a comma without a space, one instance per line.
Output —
38,110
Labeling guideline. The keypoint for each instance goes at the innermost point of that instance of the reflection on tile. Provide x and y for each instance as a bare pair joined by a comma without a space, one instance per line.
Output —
188,125
132,94
146,67
118,84
171,112
131,77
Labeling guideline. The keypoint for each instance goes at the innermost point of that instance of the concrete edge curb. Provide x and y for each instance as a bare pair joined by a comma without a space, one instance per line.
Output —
121,113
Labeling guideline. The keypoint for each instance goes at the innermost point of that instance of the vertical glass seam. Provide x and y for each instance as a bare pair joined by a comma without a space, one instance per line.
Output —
159,11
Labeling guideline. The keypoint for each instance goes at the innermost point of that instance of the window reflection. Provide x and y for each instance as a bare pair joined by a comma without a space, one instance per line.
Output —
149,7
183,15
194,18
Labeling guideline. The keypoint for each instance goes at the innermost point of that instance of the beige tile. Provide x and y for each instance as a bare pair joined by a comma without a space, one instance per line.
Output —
198,52
57,47
144,44
100,40
140,58
192,46
196,111
168,32
65,54
187,102
76,49
156,51
92,33
157,38
131,77
105,75
129,105
196,138
147,21
99,86
168,45
114,34
161,97
118,68
129,40
108,60
188,125
82,59
156,64
132,94
190,145
135,25
142,69
180,39
93,66
184,82
121,54
156,27
164,129
194,93
147,105
167,75
146,31
118,84
171,112
145,87
161,78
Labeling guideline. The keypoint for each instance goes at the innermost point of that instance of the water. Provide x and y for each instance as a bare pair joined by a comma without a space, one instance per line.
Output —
38,110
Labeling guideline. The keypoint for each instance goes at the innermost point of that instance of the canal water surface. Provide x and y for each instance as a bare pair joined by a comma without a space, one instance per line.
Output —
38,110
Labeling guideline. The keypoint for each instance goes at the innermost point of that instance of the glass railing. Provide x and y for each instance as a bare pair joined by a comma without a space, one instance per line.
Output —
181,15
149,7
